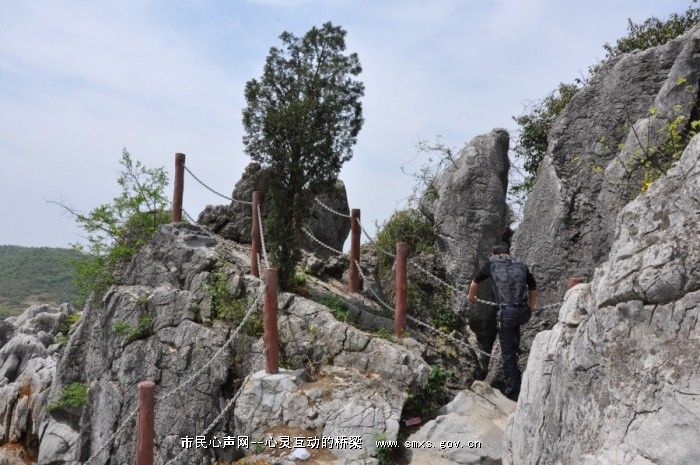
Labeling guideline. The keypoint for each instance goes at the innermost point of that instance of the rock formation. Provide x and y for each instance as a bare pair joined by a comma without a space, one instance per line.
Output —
476,419
588,173
29,344
617,380
468,207
233,221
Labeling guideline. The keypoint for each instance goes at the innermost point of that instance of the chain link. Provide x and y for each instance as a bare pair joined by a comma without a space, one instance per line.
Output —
231,199
262,238
335,212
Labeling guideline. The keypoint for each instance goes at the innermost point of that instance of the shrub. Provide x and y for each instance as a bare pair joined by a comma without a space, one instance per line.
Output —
409,226
427,402
133,332
336,305
72,396
226,306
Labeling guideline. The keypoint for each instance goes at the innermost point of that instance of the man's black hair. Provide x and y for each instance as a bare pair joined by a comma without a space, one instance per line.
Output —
500,249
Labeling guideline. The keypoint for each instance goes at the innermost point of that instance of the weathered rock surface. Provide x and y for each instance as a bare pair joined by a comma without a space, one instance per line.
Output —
160,324
470,215
588,174
234,221
479,414
617,380
27,367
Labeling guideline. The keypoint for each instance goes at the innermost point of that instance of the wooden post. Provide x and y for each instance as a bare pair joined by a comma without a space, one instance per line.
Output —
354,279
573,280
144,445
255,235
270,334
179,187
401,286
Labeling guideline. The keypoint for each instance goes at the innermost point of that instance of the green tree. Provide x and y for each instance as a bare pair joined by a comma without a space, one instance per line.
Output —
652,32
117,230
301,121
535,125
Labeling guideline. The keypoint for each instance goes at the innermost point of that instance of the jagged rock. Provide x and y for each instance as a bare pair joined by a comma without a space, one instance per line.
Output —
26,373
336,402
234,221
468,206
617,379
582,183
479,414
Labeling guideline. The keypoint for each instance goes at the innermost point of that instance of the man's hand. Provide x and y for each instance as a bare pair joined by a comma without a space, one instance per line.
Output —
471,297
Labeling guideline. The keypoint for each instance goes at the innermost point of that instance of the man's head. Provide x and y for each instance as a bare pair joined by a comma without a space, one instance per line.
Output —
501,249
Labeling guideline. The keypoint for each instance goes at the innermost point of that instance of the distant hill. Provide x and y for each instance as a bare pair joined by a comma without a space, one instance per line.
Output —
31,275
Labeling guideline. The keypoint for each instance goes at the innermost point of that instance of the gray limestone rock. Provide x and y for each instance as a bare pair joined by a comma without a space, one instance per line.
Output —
234,221
617,379
470,215
588,175
476,419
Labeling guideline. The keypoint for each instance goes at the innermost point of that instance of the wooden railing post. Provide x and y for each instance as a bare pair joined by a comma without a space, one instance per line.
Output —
179,187
144,444
270,334
401,286
255,235
354,278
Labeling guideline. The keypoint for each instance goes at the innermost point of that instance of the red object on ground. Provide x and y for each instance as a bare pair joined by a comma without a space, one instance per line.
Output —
574,280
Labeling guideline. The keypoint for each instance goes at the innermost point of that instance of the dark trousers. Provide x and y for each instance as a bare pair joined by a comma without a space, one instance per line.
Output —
509,337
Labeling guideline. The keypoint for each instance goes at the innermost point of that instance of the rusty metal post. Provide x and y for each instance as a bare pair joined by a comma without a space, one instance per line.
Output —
270,334
354,278
401,286
255,235
144,444
179,187
573,280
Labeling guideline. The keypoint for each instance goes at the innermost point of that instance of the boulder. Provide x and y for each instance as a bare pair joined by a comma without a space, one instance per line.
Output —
468,431
467,204
617,379
234,221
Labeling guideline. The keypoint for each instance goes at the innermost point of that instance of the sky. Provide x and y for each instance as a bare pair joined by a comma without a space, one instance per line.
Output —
79,81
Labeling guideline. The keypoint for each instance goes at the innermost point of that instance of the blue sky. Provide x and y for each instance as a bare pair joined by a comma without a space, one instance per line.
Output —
81,80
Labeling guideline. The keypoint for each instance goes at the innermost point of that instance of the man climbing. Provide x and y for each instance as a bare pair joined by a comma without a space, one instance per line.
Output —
514,288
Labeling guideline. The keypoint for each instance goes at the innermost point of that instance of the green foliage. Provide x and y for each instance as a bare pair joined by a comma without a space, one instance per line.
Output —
300,283
31,275
652,32
427,402
387,334
73,396
66,324
409,226
116,231
301,121
337,306
534,126
437,304
133,332
229,307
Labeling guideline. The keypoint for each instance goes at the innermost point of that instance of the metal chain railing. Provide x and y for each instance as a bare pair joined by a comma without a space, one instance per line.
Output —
231,199
262,238
186,382
189,218
326,207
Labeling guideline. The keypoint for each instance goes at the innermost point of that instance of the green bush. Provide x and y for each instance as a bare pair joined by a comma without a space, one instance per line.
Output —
337,306
427,402
130,332
227,307
72,396
409,226
69,321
